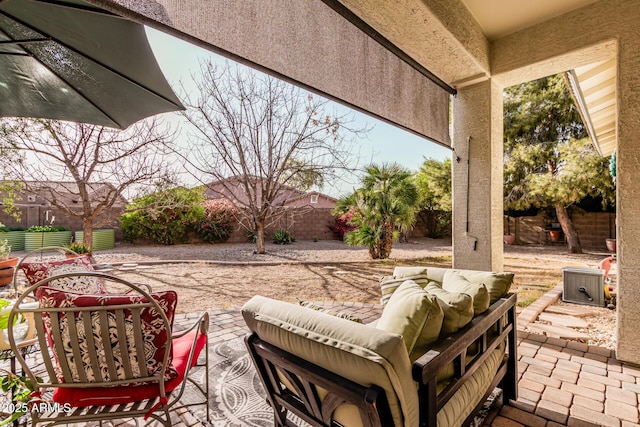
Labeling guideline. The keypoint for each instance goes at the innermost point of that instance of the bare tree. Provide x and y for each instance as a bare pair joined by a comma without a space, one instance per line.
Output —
81,169
265,135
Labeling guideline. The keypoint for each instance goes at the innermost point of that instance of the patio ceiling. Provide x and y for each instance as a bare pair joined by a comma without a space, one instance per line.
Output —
410,26
498,18
593,86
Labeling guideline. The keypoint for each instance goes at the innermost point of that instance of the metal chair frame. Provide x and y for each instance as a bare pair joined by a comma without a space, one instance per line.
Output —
157,408
39,251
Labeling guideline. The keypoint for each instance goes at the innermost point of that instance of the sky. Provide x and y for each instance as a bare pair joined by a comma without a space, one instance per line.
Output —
385,143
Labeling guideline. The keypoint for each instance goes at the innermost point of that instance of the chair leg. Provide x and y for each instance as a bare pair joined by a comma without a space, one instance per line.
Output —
167,414
206,379
280,416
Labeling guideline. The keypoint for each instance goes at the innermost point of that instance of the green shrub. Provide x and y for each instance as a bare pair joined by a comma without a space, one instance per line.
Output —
217,223
77,247
166,216
5,228
45,228
282,237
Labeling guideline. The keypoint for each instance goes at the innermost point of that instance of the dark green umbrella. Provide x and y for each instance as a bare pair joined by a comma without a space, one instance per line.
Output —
69,60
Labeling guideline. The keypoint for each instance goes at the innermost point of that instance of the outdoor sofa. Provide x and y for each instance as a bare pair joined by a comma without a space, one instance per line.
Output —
429,360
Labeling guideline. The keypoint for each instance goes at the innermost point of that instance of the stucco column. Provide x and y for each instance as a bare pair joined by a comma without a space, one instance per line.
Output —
628,197
477,140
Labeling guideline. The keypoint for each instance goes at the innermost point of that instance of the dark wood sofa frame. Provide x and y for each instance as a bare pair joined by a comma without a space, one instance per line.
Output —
489,330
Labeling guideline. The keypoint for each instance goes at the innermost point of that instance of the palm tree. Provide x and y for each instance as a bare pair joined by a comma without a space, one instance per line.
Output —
386,203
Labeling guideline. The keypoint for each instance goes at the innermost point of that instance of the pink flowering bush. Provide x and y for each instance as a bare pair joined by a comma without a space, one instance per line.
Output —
217,223
342,225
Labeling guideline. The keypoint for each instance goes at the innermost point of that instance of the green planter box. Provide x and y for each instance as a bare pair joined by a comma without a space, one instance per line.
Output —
102,239
39,239
15,239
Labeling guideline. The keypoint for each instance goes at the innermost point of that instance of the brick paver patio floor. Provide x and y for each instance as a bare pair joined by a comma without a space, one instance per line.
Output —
560,382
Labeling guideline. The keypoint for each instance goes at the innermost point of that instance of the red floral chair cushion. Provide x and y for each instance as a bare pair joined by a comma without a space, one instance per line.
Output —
36,271
126,394
154,332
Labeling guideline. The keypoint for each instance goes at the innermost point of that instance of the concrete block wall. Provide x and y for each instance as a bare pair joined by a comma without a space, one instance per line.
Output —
593,228
303,224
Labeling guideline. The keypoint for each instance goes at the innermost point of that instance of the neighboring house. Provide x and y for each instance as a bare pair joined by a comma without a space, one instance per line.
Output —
36,207
233,190
306,215
312,199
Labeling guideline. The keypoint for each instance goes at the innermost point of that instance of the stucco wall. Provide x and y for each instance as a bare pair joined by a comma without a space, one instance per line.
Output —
477,178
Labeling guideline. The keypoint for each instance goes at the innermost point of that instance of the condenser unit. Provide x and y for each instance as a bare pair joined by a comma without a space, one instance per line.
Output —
583,285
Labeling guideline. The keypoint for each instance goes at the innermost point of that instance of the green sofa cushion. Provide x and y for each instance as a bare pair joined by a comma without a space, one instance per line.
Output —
340,314
459,407
454,281
389,284
498,284
457,308
408,271
361,353
415,314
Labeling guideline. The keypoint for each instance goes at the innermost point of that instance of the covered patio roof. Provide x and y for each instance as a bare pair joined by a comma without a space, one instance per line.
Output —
593,85
594,91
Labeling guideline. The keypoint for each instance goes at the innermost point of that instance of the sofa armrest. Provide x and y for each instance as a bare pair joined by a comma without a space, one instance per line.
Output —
490,330
359,353
311,392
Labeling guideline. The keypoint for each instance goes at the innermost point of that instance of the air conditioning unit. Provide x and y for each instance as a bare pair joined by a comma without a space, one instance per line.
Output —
582,285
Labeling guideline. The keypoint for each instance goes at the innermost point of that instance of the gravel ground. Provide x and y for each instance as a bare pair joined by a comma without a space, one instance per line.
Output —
322,251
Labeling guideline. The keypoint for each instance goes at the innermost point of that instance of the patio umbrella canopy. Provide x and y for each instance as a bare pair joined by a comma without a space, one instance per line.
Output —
69,60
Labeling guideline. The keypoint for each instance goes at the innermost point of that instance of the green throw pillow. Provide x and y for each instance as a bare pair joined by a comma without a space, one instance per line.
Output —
414,314
453,281
457,308
340,314
497,284
403,271
389,284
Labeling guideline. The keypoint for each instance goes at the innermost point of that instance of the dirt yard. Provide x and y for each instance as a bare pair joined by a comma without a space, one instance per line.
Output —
227,275
217,276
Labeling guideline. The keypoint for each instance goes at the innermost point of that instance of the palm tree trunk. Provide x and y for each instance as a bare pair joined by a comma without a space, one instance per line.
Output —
569,230
387,240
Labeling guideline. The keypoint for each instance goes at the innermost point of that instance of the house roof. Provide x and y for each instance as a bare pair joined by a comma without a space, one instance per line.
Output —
593,88
69,191
234,185
310,193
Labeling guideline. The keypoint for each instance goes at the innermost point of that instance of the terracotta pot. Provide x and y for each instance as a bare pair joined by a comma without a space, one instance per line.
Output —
555,235
611,245
509,239
6,270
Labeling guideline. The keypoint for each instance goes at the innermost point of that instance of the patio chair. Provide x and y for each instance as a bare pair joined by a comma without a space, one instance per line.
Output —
35,269
110,356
